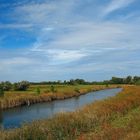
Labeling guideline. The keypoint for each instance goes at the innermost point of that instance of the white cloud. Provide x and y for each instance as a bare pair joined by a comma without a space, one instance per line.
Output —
58,56
116,5
86,40
14,62
45,13
93,36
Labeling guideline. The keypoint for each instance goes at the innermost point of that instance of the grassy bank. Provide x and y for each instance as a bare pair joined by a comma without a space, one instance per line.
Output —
115,118
44,93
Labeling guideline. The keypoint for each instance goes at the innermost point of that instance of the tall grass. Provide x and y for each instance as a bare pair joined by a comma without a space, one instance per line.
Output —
45,93
116,118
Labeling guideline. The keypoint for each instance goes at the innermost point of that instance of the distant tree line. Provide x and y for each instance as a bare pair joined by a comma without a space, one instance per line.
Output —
65,82
117,80
113,80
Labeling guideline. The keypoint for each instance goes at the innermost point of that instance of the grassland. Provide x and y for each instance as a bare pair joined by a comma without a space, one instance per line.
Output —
116,118
45,93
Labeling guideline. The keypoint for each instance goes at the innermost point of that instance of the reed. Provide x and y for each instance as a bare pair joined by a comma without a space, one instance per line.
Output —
19,98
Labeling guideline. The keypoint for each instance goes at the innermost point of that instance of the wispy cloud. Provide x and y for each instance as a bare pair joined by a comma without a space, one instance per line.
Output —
58,56
15,26
9,63
45,13
115,5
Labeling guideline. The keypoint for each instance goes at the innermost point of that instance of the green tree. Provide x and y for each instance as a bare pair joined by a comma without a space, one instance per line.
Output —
128,80
6,85
80,81
136,79
73,82
116,80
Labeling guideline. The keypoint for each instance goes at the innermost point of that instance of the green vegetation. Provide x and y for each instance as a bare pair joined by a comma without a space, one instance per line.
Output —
77,90
44,93
6,86
117,80
24,85
37,90
1,92
17,94
20,86
109,119
52,89
115,118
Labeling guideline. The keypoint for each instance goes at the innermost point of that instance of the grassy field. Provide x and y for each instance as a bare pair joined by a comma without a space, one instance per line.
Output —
43,93
116,118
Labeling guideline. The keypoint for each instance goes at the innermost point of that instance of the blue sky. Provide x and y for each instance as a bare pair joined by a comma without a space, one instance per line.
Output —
51,40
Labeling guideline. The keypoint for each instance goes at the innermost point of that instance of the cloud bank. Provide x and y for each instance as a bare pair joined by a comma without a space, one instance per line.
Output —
68,39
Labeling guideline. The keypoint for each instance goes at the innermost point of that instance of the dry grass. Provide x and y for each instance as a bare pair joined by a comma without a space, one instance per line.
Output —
18,98
116,118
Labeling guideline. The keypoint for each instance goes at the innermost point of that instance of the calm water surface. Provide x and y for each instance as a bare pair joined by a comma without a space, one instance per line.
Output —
12,118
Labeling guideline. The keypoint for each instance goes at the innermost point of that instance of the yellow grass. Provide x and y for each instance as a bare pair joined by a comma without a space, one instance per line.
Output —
18,98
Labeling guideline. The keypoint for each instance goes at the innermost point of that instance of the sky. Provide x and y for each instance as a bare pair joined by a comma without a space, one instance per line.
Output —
43,40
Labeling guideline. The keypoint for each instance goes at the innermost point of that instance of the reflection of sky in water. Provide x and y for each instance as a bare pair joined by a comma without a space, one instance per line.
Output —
16,116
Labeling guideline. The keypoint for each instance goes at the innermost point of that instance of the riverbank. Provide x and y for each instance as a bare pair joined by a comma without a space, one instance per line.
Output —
40,111
13,99
114,118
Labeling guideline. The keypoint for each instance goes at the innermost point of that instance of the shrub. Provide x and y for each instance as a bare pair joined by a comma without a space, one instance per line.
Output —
138,82
6,86
1,92
52,89
22,86
37,90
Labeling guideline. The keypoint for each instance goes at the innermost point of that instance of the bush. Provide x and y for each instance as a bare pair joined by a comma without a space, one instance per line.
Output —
138,82
22,86
1,92
52,89
6,86
37,90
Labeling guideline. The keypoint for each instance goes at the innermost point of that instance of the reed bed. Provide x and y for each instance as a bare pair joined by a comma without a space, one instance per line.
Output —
115,118
19,98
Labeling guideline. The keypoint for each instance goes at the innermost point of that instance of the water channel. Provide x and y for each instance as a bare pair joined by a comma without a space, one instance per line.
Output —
12,118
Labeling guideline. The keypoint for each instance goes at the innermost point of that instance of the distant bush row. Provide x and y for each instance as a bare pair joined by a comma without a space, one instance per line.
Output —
21,86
